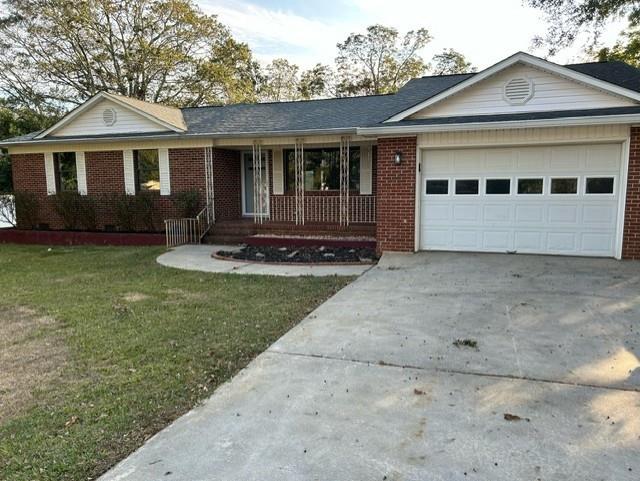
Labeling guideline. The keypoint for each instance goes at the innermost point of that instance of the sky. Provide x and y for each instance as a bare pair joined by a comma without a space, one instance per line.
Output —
306,32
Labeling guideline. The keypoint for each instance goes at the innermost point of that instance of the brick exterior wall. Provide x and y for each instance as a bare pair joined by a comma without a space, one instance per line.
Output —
105,177
631,238
396,188
227,184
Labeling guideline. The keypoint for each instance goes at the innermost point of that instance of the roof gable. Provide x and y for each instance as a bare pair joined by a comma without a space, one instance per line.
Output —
597,93
108,114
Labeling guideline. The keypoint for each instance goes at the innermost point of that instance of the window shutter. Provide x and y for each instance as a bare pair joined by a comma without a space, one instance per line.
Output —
366,170
129,174
165,178
278,172
50,173
81,172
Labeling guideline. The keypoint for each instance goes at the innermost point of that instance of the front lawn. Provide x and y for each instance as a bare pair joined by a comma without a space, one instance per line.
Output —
102,347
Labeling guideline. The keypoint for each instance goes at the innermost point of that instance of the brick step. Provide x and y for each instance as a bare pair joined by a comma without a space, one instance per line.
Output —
220,239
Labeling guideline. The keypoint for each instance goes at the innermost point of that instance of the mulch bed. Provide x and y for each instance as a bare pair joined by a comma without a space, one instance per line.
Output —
302,255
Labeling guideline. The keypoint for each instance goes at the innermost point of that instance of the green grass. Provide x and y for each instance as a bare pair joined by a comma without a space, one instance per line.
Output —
145,343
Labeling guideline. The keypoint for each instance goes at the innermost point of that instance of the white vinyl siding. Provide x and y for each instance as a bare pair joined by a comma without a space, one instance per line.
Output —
550,92
278,172
366,170
81,171
50,173
165,176
91,122
129,173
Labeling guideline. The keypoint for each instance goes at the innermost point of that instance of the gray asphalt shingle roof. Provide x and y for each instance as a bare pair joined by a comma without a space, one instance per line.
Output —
352,112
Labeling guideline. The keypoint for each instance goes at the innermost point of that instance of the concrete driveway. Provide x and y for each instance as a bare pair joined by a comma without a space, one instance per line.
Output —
371,386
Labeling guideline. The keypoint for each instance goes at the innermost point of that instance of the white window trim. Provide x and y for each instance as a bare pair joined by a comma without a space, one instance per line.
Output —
525,177
484,187
600,176
568,195
449,184
456,179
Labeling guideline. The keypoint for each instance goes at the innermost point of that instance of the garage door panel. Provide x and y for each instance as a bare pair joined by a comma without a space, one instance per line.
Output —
533,213
436,212
466,239
597,243
497,213
496,240
574,223
563,213
528,241
466,213
600,215
564,242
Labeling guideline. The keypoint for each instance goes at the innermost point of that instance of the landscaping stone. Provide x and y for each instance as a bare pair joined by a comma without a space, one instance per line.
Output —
309,255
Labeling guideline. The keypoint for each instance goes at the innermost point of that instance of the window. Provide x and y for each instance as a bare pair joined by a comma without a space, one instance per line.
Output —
467,186
599,185
437,187
65,171
530,186
567,185
147,169
322,169
498,186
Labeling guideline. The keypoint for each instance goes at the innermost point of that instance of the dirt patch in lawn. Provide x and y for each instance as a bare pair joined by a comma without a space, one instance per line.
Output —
31,357
135,297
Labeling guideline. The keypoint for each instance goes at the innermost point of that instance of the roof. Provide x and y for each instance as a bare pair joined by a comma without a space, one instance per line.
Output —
348,113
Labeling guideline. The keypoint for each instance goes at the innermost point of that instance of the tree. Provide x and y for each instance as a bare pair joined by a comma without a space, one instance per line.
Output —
14,121
317,82
378,62
279,82
450,61
569,18
61,52
627,51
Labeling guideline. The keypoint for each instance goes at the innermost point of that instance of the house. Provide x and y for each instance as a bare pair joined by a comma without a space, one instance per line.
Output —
526,156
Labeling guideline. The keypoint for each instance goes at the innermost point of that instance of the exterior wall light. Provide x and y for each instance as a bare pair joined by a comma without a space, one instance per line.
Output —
397,158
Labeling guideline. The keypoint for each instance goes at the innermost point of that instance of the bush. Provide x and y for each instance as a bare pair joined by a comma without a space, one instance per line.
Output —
134,212
27,208
187,203
78,212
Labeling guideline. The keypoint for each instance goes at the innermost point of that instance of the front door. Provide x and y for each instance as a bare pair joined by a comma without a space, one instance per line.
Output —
248,201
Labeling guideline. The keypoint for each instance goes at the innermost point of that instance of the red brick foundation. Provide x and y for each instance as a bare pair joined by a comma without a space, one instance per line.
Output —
396,188
631,238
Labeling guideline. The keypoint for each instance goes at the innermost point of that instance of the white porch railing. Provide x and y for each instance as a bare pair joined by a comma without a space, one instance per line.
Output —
324,208
189,230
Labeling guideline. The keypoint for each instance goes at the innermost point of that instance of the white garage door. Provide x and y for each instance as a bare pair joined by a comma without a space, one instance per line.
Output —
551,200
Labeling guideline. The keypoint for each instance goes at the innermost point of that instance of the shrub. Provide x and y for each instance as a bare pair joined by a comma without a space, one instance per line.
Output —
27,207
145,202
134,212
87,217
187,203
67,206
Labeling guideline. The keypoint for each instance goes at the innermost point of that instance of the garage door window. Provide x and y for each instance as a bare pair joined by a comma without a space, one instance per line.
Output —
467,186
564,185
599,185
530,186
498,186
437,187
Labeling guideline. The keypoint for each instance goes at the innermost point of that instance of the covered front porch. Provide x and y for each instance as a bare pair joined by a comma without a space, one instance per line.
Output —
320,186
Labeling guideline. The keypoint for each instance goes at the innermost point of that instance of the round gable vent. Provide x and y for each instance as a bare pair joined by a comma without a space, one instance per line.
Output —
518,91
109,117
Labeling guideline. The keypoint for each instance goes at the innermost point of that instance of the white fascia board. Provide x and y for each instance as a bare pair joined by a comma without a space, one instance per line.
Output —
511,124
526,59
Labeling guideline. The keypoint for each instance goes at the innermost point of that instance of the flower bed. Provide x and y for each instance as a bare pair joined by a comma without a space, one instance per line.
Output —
301,255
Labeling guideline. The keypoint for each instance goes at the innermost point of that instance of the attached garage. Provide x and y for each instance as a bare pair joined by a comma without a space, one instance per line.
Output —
557,199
